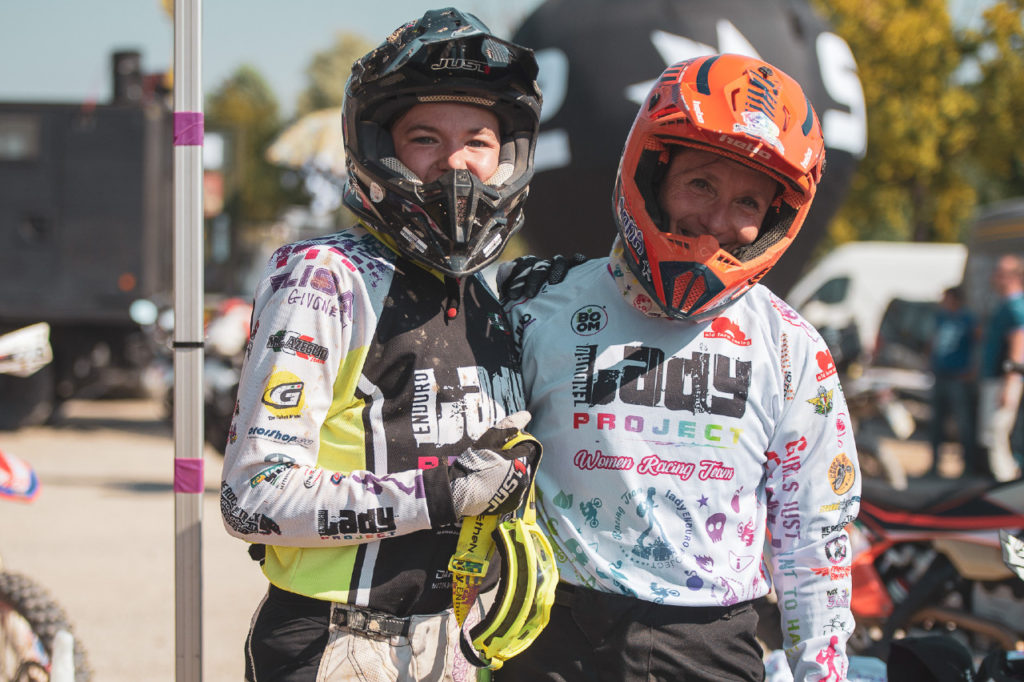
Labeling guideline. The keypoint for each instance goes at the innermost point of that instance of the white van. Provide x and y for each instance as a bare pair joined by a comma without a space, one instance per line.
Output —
850,287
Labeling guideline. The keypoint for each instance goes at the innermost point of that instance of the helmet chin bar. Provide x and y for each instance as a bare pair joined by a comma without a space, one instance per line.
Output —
461,225
464,202
442,227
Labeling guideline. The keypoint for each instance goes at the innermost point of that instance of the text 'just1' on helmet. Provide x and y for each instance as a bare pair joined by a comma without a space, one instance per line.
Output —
744,110
458,223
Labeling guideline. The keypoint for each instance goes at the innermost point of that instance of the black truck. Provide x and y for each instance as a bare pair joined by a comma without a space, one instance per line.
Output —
86,228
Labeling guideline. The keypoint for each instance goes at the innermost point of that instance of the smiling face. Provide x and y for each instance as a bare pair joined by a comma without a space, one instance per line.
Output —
431,139
707,194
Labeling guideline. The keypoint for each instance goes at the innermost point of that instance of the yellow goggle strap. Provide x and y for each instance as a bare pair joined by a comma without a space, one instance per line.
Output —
469,563
476,545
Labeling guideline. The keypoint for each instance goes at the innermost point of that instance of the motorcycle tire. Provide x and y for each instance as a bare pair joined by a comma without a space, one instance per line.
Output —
924,610
29,612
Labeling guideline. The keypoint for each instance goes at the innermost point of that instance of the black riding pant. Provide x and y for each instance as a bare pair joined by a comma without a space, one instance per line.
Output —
600,636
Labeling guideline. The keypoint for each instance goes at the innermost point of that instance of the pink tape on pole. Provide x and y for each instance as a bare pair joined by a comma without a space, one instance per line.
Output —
188,475
188,128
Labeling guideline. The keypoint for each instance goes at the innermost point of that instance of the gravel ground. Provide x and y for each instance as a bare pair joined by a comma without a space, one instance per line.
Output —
100,538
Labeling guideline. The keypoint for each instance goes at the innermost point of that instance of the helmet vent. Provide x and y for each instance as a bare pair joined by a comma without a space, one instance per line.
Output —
396,166
689,287
461,99
496,52
762,96
696,293
501,175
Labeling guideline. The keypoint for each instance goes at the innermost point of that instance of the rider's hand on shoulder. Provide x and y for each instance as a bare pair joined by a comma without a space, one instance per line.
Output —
525,276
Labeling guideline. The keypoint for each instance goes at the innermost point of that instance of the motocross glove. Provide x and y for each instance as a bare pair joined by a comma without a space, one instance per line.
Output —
526,276
493,475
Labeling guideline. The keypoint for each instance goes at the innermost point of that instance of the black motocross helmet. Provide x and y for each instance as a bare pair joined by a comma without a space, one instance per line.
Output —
458,223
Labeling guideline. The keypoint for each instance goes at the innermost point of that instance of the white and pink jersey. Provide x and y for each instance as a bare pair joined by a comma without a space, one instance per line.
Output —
676,452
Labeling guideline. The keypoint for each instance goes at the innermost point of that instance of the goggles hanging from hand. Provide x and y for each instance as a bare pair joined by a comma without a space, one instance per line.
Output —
526,583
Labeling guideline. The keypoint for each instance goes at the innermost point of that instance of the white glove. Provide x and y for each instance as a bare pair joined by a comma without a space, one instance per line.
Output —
493,475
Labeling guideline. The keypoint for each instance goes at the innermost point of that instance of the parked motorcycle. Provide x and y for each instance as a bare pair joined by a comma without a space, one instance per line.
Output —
227,334
36,640
880,415
929,559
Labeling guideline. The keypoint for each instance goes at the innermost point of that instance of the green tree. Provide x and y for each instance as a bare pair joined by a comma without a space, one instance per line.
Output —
328,71
912,183
998,49
246,110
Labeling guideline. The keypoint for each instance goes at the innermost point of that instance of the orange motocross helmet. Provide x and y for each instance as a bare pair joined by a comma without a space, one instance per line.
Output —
745,110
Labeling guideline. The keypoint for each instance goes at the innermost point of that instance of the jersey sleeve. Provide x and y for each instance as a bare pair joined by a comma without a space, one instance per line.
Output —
813,492
284,481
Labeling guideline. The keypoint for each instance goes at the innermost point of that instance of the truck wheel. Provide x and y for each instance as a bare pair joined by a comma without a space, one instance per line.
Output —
26,401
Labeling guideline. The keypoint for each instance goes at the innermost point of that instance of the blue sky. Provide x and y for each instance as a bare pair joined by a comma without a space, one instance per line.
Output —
59,50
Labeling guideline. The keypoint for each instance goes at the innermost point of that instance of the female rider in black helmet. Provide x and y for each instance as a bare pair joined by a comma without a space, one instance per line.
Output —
380,364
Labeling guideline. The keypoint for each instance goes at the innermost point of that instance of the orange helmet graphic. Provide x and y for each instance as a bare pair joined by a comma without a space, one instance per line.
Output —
744,110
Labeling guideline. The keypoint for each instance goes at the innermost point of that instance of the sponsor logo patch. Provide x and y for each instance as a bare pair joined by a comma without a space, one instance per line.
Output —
283,396
589,320
841,474
299,345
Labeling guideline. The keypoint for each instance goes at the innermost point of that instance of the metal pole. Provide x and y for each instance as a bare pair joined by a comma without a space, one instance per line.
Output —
188,340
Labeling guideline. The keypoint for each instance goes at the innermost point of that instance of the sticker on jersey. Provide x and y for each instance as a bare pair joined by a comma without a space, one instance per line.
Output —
787,369
634,374
836,549
588,509
299,345
823,401
842,426
275,475
476,399
348,524
832,529
283,395
793,318
643,509
322,281
832,572
724,328
241,520
589,320
278,436
842,506
838,598
841,474
826,364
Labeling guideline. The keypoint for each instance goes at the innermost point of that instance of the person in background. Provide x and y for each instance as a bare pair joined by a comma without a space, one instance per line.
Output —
689,415
381,386
999,391
951,356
